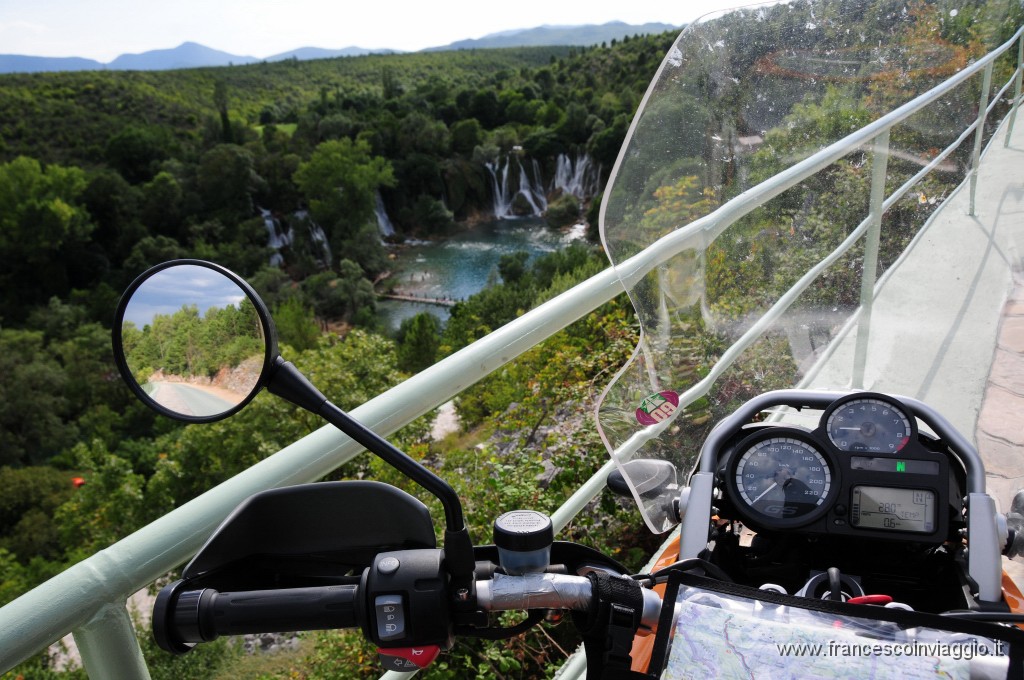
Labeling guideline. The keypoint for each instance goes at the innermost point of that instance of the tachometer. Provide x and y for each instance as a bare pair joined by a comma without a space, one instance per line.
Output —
868,422
781,478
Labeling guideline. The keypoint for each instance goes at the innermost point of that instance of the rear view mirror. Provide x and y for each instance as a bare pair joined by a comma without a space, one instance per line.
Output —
196,343
193,340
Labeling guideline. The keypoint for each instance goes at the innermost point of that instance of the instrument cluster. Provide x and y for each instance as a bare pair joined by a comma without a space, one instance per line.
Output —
863,471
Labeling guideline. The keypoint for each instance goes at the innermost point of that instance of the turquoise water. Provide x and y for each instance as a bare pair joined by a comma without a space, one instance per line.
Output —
462,265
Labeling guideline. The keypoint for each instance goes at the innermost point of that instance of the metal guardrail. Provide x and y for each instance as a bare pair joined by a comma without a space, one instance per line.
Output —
89,599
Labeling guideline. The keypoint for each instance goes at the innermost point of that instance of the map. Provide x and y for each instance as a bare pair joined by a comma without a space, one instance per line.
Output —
722,637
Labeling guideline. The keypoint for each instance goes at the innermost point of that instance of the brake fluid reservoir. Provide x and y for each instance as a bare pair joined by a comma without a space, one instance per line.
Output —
523,538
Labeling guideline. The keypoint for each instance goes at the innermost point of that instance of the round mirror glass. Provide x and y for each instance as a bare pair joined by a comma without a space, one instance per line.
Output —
193,340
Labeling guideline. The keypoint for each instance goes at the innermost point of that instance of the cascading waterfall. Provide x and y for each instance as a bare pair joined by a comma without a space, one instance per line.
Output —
278,237
501,191
281,236
523,194
507,187
577,175
384,225
538,200
321,249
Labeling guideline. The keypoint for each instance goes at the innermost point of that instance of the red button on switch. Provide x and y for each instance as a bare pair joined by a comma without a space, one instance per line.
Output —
421,657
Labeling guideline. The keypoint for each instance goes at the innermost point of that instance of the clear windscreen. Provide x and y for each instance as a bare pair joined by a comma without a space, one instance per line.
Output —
757,276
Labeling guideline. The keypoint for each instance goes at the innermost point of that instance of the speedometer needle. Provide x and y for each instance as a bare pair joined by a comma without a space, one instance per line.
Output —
774,484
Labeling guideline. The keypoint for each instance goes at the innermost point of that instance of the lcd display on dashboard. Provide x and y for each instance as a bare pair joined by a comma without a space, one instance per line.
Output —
893,509
911,467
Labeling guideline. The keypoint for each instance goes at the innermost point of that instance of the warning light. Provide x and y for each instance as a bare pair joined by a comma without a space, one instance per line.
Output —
901,466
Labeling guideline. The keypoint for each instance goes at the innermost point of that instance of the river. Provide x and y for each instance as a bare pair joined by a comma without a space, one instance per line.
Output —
462,265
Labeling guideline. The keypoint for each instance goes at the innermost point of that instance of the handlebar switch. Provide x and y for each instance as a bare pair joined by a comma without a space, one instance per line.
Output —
407,600
390,615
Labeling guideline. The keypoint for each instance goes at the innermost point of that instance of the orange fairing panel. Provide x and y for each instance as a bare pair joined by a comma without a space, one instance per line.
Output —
643,645
1011,593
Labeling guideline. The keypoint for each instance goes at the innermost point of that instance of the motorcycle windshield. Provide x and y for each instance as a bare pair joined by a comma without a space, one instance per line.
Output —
765,254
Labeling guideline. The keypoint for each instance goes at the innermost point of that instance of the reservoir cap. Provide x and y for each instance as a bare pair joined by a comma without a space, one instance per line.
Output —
523,538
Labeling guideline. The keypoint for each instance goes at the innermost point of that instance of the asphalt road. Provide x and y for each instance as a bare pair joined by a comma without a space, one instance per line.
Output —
186,399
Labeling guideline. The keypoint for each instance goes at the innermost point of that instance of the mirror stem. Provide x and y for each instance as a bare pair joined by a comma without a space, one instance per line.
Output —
287,382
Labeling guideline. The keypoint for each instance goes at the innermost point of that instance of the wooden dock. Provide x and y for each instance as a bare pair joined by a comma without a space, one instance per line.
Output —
443,302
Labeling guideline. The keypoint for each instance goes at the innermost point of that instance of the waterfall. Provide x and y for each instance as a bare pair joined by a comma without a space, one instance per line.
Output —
319,246
502,197
278,237
319,238
507,188
522,193
384,225
537,199
281,237
577,176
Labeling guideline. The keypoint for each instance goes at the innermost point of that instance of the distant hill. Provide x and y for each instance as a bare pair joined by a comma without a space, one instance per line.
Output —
194,55
306,53
185,55
16,63
559,35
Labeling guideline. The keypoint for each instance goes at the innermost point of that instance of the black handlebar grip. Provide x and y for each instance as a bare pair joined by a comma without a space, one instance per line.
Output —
193,616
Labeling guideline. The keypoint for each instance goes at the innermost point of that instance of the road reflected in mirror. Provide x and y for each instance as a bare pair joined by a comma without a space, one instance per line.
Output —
193,341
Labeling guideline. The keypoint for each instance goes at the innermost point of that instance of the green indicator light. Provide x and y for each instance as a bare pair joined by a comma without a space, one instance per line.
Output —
901,466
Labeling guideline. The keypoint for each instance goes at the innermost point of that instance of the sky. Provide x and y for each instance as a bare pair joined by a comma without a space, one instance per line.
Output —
105,29
167,291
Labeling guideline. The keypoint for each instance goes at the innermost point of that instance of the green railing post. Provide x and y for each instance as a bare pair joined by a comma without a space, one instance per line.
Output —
979,132
869,272
108,646
1016,91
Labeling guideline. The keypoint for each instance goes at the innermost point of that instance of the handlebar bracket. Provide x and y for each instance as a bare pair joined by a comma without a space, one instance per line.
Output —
611,624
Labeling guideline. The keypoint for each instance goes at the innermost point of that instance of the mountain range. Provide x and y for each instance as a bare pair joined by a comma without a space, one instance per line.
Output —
194,55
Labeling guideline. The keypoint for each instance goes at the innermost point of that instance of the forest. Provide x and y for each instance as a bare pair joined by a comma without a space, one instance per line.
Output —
188,343
103,174
106,173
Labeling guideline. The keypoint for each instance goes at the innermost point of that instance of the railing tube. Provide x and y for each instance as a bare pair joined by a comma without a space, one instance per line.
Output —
582,496
979,132
869,271
1016,91
109,647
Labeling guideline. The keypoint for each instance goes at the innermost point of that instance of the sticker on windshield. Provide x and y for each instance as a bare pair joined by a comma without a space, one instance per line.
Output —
657,407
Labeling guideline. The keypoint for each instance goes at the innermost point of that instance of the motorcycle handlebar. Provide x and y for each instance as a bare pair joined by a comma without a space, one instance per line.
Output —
183,618
206,614
552,591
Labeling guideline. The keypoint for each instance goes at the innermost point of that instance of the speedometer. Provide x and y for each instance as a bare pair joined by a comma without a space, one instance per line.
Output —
868,422
782,479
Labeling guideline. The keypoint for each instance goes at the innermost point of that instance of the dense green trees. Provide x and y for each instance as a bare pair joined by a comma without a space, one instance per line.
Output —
57,386
166,164
136,151
340,181
43,224
189,344
344,294
34,410
418,342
